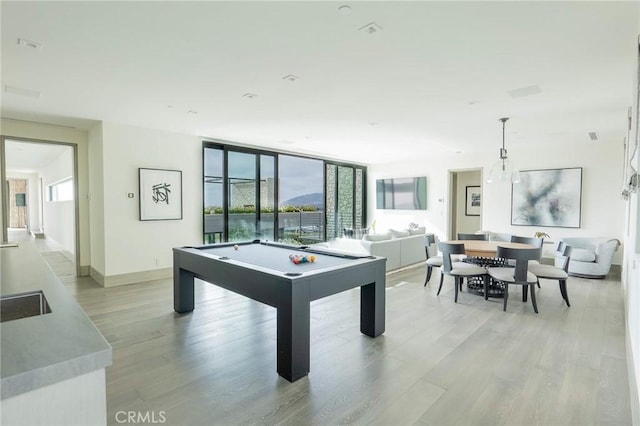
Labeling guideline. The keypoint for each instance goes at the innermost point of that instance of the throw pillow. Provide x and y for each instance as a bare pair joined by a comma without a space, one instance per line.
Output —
582,255
377,237
418,231
397,233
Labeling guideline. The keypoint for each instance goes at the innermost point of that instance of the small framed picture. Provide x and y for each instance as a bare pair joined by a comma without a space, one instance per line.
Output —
473,205
160,194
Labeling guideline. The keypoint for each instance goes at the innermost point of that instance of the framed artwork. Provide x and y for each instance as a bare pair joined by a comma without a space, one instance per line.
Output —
550,197
160,194
473,204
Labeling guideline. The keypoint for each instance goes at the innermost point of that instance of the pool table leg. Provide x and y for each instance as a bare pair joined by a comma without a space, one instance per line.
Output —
183,297
293,334
372,301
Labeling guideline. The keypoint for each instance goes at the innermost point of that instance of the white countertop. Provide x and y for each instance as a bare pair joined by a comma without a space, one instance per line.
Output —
42,350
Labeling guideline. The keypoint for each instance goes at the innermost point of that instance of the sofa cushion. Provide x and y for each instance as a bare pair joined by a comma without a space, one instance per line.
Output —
377,237
398,233
417,231
582,255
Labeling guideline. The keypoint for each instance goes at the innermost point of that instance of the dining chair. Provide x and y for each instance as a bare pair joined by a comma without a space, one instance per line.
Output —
551,272
432,261
517,275
479,237
534,241
458,270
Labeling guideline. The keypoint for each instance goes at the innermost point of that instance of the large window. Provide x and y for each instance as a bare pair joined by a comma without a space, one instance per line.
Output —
213,195
61,190
253,194
345,200
301,199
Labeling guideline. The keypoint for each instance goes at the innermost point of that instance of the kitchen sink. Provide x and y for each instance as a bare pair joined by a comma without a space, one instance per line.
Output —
23,305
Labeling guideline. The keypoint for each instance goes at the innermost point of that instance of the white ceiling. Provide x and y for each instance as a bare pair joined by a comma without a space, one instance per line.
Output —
28,157
434,79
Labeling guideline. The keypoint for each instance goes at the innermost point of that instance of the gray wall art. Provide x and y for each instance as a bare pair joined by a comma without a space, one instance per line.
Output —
550,197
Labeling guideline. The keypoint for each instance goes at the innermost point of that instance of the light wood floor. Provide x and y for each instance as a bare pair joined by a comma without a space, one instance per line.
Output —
438,363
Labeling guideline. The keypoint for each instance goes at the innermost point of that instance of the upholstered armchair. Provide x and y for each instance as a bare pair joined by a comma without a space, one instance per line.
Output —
590,257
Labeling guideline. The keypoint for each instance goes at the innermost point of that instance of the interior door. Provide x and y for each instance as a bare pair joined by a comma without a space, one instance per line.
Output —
18,213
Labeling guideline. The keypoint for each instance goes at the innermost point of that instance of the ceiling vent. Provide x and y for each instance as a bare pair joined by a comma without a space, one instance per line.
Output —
290,77
27,93
28,43
524,91
249,95
371,28
593,136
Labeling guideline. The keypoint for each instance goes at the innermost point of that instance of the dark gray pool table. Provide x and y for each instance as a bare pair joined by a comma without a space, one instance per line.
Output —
262,271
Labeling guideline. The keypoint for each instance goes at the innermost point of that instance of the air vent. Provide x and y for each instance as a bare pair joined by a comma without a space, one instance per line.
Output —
28,93
249,95
30,44
524,91
290,77
593,136
371,28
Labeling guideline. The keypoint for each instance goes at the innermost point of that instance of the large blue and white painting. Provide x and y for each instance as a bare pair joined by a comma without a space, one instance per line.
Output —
549,197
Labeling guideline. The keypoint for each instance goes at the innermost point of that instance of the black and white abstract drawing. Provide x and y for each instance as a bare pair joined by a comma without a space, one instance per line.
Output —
550,197
160,194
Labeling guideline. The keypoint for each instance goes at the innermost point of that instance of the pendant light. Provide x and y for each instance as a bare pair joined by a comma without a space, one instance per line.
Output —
503,170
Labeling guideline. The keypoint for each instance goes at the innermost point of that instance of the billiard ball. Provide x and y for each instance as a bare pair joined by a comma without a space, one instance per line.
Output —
236,247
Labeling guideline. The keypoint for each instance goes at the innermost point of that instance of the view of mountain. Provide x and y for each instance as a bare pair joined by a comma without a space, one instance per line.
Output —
314,199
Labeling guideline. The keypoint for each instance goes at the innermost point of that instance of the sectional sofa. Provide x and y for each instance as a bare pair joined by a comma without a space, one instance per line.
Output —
401,247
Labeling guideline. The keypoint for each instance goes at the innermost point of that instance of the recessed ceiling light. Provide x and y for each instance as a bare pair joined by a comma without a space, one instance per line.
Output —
371,28
29,93
593,136
28,43
193,112
249,95
290,77
344,10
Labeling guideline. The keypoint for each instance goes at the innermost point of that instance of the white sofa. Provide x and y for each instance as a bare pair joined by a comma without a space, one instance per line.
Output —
400,247
590,257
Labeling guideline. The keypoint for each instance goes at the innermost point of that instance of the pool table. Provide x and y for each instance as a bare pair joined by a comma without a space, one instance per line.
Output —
263,272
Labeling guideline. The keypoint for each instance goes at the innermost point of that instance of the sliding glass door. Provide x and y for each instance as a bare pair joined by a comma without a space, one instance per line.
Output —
252,194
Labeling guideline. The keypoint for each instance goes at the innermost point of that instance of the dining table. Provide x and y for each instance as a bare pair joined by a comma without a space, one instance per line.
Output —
483,248
483,253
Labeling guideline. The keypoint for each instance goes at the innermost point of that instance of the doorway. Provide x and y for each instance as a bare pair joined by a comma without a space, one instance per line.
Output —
40,196
465,201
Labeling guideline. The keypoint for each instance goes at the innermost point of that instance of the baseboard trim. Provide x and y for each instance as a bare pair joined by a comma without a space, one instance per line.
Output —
634,398
136,277
84,270
96,276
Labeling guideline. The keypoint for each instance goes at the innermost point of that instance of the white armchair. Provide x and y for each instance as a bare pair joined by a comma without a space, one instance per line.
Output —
590,257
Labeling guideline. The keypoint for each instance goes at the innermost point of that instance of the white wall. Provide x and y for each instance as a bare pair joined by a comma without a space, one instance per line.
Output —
58,216
631,266
603,210
631,287
130,244
96,200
